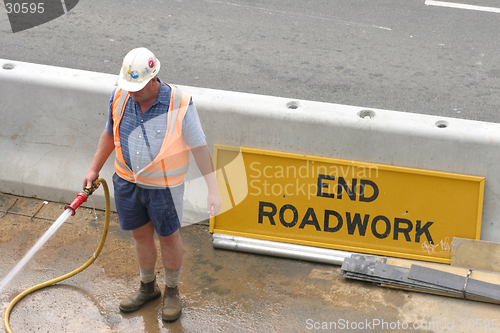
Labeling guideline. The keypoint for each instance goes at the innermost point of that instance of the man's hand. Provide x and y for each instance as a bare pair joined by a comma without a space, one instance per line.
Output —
89,178
213,203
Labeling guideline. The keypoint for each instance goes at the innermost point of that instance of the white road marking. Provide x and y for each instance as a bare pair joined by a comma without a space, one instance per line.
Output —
462,6
64,7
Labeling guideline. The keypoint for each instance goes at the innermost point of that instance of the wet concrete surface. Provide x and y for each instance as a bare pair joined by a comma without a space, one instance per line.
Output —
222,291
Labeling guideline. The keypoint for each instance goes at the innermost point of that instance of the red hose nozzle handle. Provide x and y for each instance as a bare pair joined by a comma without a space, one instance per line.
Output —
81,198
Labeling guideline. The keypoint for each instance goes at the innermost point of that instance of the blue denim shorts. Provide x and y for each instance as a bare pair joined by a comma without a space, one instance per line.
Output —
136,206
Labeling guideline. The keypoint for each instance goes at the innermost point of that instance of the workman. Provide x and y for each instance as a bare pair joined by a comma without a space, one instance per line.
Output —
153,127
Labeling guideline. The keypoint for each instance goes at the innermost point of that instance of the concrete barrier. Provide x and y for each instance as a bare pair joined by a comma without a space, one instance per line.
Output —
53,118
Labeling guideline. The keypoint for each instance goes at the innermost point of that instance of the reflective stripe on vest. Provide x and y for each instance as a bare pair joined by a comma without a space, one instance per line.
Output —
171,164
166,173
120,109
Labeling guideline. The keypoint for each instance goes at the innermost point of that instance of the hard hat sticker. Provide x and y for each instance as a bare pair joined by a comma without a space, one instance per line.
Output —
134,74
151,62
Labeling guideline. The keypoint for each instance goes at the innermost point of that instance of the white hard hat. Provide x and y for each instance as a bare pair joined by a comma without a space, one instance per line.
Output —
138,68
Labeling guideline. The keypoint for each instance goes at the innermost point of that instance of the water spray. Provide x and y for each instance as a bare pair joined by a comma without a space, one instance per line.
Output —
69,210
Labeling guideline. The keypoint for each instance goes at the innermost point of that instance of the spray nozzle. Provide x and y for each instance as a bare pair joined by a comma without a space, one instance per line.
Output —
81,198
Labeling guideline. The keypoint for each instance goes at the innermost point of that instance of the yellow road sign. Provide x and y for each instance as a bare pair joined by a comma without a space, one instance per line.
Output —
345,205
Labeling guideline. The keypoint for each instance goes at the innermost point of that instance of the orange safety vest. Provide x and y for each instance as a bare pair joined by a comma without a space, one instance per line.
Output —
171,164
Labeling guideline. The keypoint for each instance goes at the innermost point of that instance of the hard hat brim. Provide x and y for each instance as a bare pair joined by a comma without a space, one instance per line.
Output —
131,86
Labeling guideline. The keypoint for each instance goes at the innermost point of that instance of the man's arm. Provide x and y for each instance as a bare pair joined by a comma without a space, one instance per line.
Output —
204,162
104,149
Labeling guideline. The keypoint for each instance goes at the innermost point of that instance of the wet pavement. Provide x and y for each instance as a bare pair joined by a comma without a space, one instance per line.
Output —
222,291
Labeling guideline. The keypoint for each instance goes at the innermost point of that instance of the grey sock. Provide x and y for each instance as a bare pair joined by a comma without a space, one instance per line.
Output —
148,275
172,277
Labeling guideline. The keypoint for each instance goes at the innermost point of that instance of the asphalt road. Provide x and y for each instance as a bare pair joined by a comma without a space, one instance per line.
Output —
399,55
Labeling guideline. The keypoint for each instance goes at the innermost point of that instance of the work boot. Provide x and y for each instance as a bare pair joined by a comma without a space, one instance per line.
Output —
172,304
147,292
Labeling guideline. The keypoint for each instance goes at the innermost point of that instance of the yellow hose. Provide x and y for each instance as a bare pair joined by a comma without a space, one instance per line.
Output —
68,275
